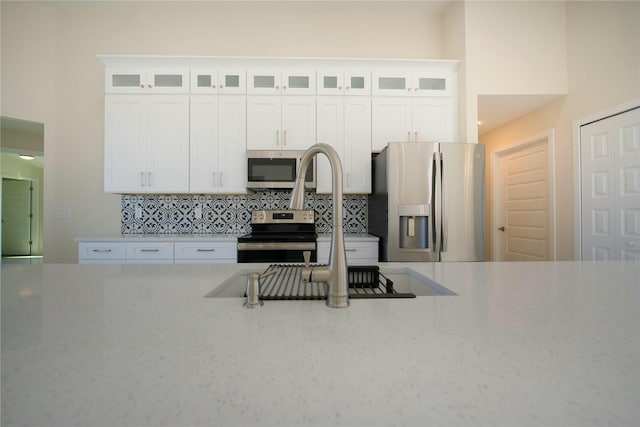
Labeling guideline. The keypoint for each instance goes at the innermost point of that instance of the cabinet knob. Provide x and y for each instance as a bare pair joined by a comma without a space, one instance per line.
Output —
283,88
213,86
416,89
409,89
339,87
277,87
149,86
142,86
221,86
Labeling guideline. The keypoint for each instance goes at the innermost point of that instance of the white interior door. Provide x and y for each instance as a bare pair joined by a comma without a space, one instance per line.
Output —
524,209
16,217
610,188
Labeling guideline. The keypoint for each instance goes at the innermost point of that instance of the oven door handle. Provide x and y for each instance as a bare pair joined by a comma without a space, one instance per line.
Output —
269,246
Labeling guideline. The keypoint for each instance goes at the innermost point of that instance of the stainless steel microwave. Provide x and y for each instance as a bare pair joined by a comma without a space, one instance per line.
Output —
277,169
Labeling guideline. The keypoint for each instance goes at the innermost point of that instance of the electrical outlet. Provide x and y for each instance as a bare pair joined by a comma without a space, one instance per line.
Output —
138,213
198,212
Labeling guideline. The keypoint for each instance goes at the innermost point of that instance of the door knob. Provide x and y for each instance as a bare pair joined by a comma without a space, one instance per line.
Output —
501,228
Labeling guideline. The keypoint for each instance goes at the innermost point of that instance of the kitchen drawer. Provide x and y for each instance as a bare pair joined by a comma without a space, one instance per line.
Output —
361,250
205,251
358,253
149,251
101,251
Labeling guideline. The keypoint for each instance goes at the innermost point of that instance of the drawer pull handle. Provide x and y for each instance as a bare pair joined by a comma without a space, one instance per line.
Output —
350,250
206,250
101,250
149,250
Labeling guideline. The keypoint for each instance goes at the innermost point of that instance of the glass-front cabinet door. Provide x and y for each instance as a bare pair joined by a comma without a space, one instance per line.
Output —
340,82
142,80
412,83
263,82
223,81
392,83
276,82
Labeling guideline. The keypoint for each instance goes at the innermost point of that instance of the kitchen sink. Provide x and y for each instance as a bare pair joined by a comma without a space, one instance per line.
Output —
364,282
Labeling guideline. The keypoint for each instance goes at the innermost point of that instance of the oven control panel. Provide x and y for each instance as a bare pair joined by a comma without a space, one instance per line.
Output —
283,217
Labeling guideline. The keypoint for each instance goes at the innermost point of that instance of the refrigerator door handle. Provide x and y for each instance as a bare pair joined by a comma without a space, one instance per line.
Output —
443,205
437,199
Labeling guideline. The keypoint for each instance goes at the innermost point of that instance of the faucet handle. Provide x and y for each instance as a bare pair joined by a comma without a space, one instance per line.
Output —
307,258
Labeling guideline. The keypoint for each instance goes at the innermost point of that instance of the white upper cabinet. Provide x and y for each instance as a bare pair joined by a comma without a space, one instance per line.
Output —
222,81
281,82
343,82
218,144
147,80
418,119
412,83
281,122
146,144
184,124
344,122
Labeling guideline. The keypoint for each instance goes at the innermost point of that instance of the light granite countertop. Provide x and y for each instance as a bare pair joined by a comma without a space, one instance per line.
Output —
521,344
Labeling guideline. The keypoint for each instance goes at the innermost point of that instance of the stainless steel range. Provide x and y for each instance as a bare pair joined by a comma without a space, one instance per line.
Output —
279,236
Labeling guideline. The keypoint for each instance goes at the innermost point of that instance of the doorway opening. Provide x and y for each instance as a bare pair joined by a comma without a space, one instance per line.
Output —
22,170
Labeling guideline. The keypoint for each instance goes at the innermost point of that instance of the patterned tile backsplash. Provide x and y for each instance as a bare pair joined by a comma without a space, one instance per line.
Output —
228,214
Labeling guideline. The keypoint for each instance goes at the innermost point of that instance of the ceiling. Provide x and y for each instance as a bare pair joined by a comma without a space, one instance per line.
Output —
34,131
497,110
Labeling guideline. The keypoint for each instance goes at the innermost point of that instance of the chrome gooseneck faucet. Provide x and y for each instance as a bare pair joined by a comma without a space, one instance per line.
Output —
335,274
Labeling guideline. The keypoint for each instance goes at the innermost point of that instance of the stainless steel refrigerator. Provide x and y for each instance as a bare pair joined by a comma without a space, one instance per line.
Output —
427,202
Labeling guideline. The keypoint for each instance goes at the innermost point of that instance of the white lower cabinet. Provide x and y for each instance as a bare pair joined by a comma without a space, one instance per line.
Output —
149,253
154,252
205,253
358,253
101,253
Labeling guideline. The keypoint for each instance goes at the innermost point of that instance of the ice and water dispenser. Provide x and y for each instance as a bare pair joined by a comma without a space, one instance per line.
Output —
414,226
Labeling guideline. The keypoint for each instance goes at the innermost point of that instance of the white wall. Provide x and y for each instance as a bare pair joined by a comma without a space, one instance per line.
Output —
603,71
50,73
513,48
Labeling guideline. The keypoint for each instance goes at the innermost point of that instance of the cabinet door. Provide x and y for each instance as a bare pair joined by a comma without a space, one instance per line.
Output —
232,144
264,122
357,146
125,143
203,150
264,82
433,120
392,83
298,122
125,80
168,144
298,82
204,80
357,82
330,130
391,121
232,81
330,82
430,84
174,80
